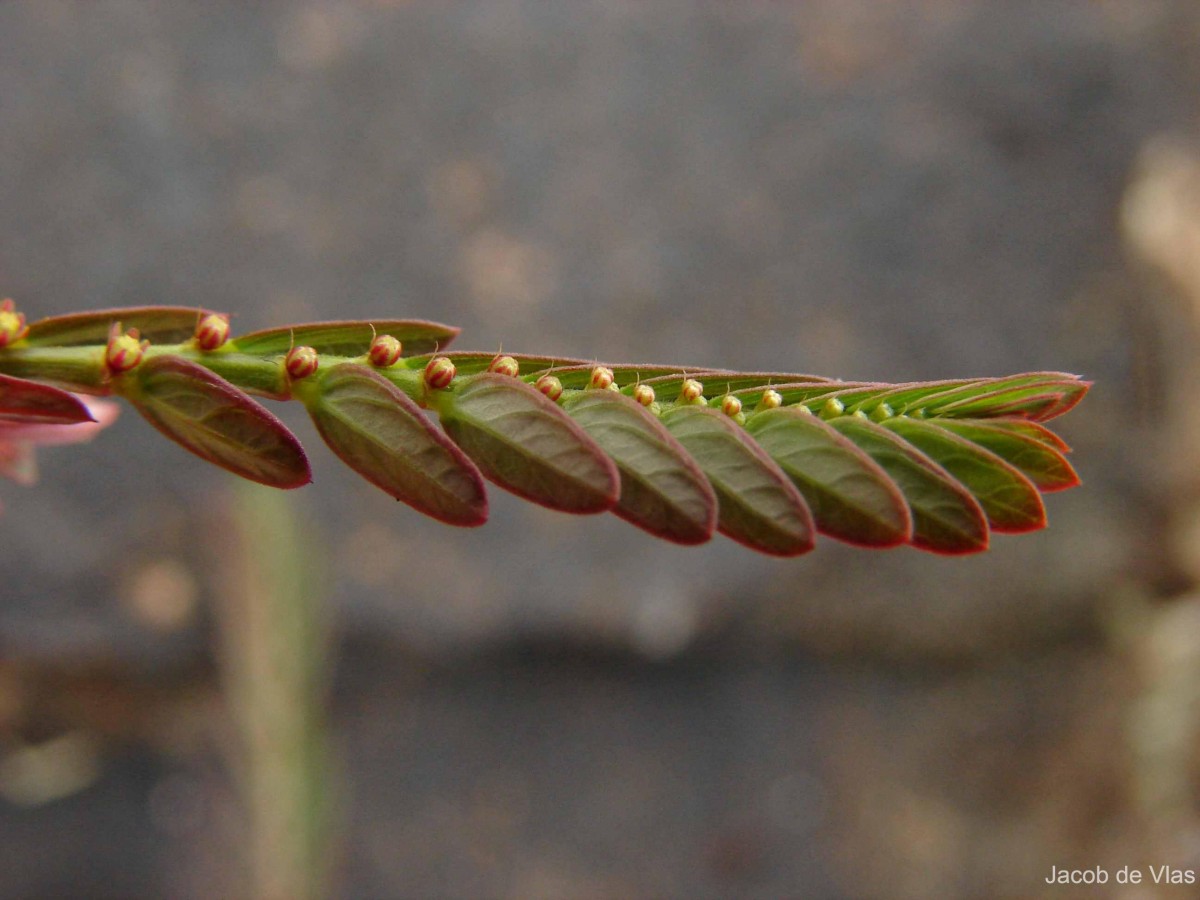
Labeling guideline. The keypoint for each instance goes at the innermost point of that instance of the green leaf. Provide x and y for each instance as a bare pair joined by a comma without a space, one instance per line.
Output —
158,324
384,436
946,518
525,443
851,496
759,506
349,338
1009,500
1045,466
29,401
213,419
662,489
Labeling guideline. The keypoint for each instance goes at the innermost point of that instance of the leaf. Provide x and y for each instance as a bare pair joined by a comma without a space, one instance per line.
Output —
383,435
525,443
158,324
850,495
1025,427
1045,466
662,489
1009,500
759,506
1034,395
213,419
29,401
946,518
347,338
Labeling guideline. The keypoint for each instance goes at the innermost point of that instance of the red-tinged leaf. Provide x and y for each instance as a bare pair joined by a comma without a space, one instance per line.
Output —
1035,403
29,401
946,518
1035,395
207,415
851,496
662,489
1034,430
348,338
1043,465
1072,394
1009,500
158,324
759,506
525,443
380,433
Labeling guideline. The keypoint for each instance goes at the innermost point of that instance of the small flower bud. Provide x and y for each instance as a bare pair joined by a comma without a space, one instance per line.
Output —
771,399
881,412
301,362
691,391
832,408
601,378
385,351
505,365
550,386
439,373
212,331
643,394
731,405
124,351
12,324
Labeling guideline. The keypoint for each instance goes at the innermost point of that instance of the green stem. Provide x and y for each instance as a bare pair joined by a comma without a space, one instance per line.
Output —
83,369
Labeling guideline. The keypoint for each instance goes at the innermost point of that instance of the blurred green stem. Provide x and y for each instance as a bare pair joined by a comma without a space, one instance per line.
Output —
275,641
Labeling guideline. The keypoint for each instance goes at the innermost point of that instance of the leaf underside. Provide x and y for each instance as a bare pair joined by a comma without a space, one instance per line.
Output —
760,507
663,490
384,436
30,401
525,443
851,496
213,419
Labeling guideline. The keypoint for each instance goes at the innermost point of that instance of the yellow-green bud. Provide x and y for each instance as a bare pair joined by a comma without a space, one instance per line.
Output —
643,394
124,351
601,378
301,362
505,365
12,324
832,407
771,399
731,405
439,373
212,331
385,351
881,412
550,386
691,391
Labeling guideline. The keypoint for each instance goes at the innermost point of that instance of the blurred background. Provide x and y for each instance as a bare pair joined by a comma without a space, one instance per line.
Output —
209,690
